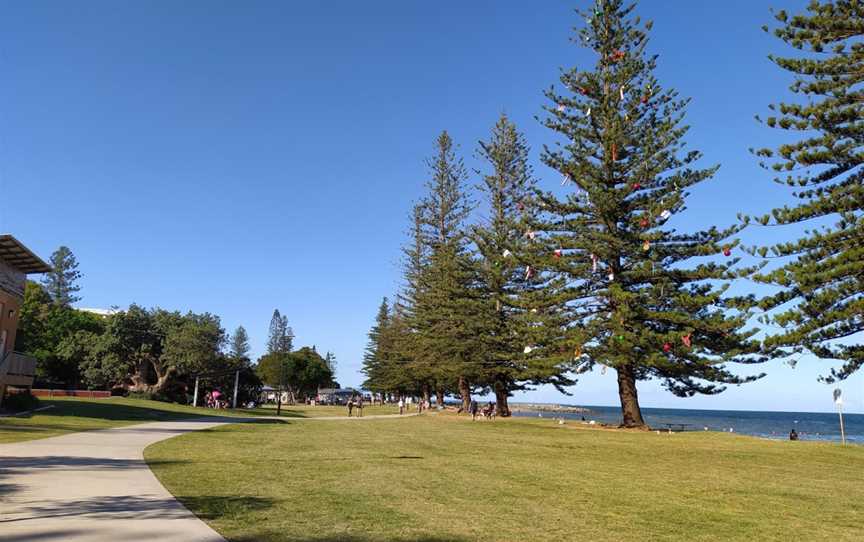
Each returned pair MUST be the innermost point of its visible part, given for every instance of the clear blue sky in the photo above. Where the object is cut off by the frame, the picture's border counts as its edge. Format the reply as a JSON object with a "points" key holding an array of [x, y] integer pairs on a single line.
{"points": [[235, 157]]}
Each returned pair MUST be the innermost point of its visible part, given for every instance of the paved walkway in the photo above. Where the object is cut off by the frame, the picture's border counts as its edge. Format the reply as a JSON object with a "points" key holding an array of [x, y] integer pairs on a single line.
{"points": [[96, 486]]}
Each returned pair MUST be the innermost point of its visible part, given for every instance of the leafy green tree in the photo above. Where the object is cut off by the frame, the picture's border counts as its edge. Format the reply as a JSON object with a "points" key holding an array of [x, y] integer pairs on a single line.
{"points": [[640, 297], [503, 245], [270, 368], [61, 282], [822, 272], [49, 331], [300, 373], [152, 351]]}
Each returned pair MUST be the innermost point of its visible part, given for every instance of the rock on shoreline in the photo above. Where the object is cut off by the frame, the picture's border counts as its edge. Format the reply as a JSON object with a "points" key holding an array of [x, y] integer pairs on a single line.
{"points": [[534, 407]]}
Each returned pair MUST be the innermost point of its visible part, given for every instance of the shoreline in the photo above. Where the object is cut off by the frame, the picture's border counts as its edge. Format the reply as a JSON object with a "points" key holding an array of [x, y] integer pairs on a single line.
{"points": [[547, 407]]}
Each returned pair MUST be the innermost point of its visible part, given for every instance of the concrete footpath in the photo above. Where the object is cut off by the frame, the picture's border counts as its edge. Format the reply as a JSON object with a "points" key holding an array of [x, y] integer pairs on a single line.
{"points": [[96, 486]]}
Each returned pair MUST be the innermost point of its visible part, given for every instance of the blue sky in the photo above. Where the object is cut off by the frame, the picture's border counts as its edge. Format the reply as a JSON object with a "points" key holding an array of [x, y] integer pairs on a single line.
{"points": [[236, 157]]}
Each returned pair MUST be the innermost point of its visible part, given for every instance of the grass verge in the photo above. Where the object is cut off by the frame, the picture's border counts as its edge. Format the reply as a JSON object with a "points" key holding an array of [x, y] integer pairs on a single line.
{"points": [[73, 414]]}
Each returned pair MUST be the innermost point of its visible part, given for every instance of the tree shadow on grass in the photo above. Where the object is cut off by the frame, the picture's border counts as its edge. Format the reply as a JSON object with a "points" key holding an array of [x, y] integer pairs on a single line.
{"points": [[215, 507]]}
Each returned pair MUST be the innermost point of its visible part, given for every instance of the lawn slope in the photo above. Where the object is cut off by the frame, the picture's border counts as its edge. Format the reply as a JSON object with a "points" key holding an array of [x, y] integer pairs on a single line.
{"points": [[436, 478]]}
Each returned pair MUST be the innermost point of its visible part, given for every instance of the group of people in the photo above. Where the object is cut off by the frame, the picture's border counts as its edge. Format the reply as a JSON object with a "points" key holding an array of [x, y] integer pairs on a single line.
{"points": [[355, 403], [214, 399], [488, 411]]}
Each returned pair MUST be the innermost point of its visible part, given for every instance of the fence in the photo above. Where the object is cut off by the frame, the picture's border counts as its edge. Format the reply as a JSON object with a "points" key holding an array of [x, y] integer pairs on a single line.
{"points": [[92, 394]]}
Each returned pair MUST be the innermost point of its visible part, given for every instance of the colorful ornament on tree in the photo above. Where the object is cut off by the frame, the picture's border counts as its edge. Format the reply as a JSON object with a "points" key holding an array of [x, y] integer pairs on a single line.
{"points": [[665, 215], [562, 108], [636, 186], [611, 276], [529, 272], [530, 234], [578, 352], [686, 340], [506, 253], [727, 250], [644, 222], [667, 347], [646, 244], [616, 56], [557, 253]]}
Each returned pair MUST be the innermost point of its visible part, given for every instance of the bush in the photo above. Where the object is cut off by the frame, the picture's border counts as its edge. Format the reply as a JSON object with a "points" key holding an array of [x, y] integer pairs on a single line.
{"points": [[150, 396], [20, 401]]}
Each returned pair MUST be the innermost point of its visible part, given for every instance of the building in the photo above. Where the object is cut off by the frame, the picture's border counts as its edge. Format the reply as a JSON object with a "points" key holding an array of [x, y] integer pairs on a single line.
{"points": [[16, 262]]}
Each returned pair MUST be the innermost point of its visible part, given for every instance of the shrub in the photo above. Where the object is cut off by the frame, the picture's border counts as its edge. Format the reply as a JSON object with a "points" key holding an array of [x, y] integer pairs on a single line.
{"points": [[20, 401]]}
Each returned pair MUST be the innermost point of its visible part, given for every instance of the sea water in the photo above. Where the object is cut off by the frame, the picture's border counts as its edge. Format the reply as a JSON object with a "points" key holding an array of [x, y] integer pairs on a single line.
{"points": [[810, 425]]}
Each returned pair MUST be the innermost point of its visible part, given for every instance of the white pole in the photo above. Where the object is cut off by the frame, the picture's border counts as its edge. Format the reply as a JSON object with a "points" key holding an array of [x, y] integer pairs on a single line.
{"points": [[842, 431], [236, 383], [195, 397]]}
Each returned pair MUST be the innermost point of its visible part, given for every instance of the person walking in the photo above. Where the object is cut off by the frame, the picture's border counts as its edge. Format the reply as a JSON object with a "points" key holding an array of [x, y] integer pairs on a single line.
{"points": [[401, 406], [360, 407], [350, 406], [472, 408]]}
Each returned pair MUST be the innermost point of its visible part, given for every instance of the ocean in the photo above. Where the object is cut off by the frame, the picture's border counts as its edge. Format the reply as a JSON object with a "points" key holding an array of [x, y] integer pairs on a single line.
{"points": [[777, 425]]}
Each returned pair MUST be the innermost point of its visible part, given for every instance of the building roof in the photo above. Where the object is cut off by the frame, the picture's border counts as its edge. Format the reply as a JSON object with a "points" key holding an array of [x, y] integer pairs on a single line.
{"points": [[20, 257]]}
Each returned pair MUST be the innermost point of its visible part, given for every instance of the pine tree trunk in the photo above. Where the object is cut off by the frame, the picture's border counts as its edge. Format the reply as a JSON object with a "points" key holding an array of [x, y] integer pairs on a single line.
{"points": [[630, 410], [439, 396], [501, 407], [465, 392]]}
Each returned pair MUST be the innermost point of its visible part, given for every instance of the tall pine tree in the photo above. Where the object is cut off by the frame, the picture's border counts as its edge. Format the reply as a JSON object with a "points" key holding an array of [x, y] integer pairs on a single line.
{"points": [[447, 303], [502, 242], [281, 337], [374, 362], [61, 282], [640, 297], [821, 303], [239, 349]]}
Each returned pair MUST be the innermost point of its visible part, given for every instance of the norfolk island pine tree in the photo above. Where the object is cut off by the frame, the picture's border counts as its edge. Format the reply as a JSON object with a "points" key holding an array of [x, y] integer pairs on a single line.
{"points": [[639, 297], [821, 301], [501, 242]]}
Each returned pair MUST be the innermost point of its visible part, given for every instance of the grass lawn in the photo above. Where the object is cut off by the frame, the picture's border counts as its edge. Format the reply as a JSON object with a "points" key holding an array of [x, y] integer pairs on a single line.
{"points": [[72, 414], [436, 478]]}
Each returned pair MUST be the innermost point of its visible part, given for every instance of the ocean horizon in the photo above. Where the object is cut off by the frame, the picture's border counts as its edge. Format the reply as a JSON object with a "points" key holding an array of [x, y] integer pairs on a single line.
{"points": [[822, 426]]}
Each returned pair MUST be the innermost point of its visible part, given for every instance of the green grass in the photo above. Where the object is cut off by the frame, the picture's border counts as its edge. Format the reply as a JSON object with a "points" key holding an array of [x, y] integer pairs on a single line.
{"points": [[72, 414], [437, 478]]}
